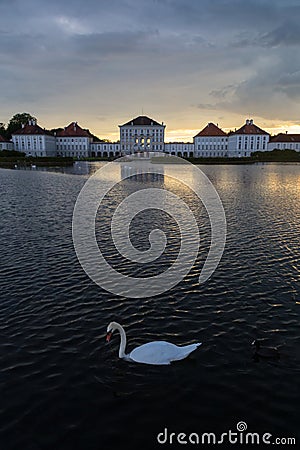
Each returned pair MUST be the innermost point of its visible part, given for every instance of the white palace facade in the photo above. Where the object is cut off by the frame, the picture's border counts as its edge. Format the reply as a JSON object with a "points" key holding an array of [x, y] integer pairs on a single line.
{"points": [[5, 144], [143, 135]]}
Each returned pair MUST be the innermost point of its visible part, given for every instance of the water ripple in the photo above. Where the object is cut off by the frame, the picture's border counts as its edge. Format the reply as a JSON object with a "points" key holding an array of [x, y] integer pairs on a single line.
{"points": [[63, 387]]}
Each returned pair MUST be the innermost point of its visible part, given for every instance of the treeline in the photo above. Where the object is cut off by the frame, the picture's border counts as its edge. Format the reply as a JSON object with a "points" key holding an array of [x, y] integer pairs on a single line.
{"points": [[11, 154], [14, 124], [17, 161], [276, 155]]}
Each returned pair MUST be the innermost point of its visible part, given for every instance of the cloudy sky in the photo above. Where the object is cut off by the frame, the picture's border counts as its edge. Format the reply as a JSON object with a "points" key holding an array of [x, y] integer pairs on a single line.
{"points": [[183, 62]]}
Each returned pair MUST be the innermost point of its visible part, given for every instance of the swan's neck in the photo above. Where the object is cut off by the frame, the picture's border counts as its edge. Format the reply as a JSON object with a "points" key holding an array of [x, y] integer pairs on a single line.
{"points": [[123, 341]]}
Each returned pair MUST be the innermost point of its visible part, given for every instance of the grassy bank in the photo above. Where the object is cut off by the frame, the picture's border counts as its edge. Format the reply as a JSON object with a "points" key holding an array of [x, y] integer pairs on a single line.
{"points": [[98, 158], [220, 160], [11, 159], [280, 156], [9, 162]]}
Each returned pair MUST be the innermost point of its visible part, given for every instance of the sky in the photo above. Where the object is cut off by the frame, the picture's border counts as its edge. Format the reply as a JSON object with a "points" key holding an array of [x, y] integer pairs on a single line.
{"points": [[181, 62]]}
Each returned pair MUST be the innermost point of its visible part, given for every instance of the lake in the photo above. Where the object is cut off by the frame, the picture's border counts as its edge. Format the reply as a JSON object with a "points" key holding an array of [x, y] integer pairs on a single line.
{"points": [[63, 387]]}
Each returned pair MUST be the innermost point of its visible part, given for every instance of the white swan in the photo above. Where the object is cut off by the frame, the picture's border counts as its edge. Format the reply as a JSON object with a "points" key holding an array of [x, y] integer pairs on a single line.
{"points": [[156, 352]]}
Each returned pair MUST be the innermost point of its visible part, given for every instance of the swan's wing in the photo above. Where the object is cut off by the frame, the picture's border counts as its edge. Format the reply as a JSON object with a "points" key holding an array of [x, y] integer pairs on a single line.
{"points": [[156, 352], [160, 352]]}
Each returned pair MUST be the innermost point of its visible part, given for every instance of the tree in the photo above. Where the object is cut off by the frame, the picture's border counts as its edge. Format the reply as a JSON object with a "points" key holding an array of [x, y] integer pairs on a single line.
{"points": [[2, 130], [16, 122], [56, 130]]}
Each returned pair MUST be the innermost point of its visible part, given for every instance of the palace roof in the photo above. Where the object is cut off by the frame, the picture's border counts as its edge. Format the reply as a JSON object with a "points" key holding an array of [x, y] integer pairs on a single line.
{"points": [[142, 121], [2, 139], [284, 137], [249, 128], [211, 130], [74, 130], [31, 128]]}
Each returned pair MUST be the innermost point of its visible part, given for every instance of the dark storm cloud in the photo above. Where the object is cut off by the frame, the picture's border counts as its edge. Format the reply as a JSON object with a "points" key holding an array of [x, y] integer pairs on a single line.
{"points": [[286, 35], [268, 94], [120, 43], [218, 54]]}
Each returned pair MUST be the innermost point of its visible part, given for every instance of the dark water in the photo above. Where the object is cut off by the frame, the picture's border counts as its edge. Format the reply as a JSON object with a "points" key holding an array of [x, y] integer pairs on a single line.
{"points": [[62, 387]]}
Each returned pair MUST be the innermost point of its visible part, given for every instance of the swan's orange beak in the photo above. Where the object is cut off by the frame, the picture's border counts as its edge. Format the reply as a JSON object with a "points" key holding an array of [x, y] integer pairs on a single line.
{"points": [[108, 336]]}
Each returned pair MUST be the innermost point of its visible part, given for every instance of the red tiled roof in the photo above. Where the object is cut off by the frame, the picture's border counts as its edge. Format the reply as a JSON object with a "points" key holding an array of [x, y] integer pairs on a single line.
{"points": [[211, 130], [2, 139], [284, 137], [74, 130], [249, 128], [31, 129], [142, 121]]}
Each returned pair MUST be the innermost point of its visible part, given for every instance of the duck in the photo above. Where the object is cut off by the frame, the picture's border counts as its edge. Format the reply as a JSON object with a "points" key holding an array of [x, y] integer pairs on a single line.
{"points": [[154, 353], [265, 352]]}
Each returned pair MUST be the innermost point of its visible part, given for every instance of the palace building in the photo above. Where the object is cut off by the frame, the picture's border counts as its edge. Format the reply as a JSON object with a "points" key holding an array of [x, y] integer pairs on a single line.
{"points": [[34, 140], [74, 141], [248, 139], [5, 144], [211, 142], [143, 135], [285, 141]]}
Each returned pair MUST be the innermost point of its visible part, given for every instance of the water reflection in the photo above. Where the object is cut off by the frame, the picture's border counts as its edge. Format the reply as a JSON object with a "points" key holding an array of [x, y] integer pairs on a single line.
{"points": [[141, 173]]}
